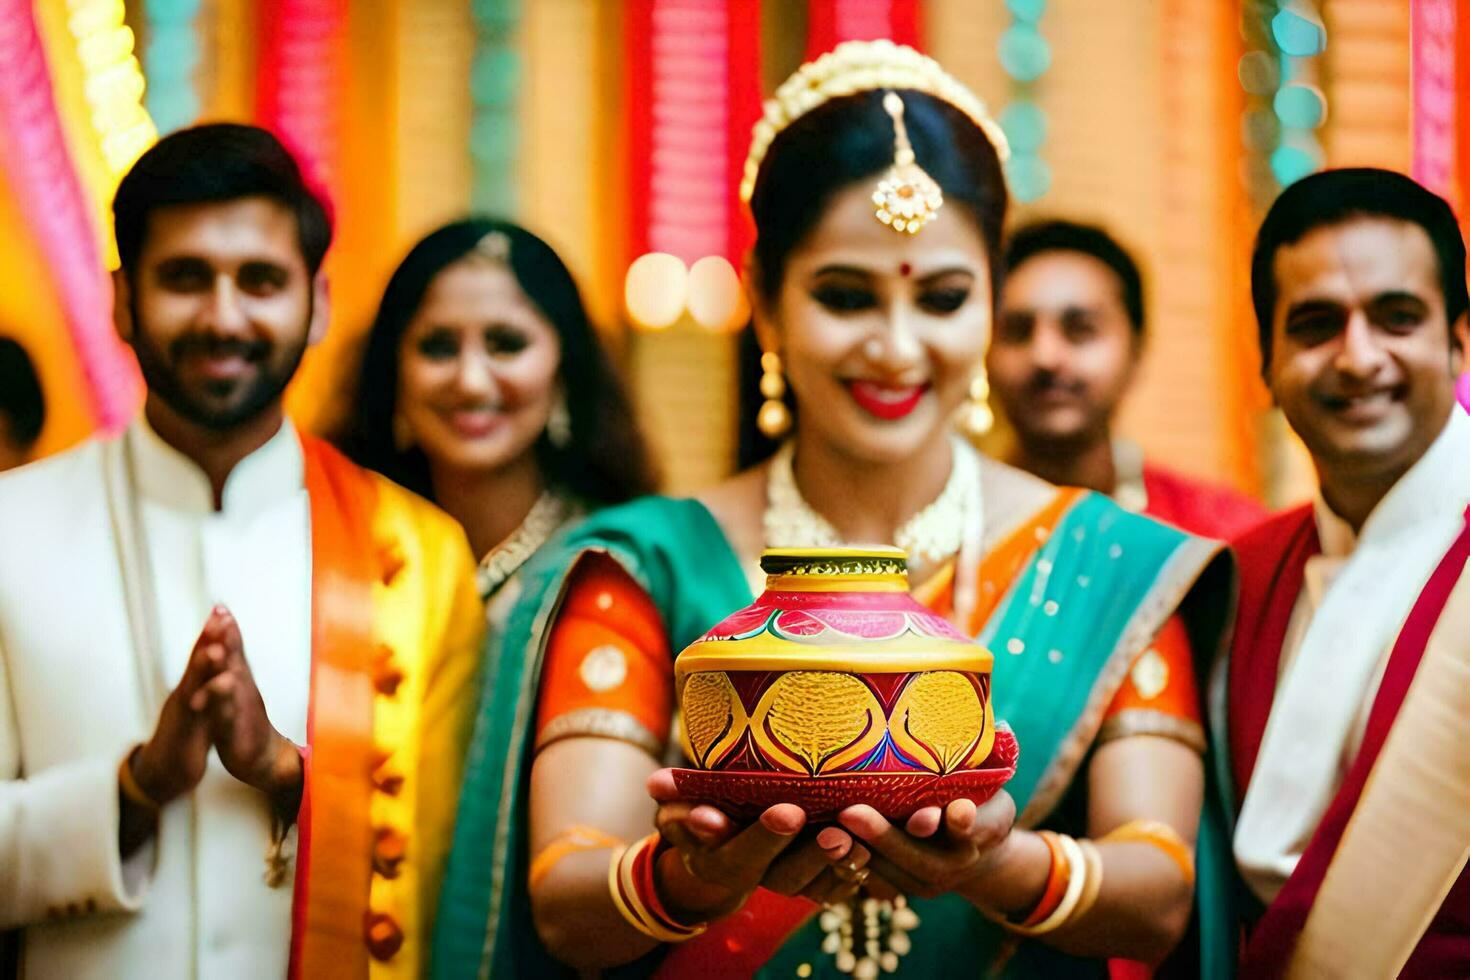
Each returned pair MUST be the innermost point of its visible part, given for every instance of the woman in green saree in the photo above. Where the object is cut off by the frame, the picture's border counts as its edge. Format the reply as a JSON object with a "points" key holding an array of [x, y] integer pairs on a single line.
{"points": [[875, 304]]}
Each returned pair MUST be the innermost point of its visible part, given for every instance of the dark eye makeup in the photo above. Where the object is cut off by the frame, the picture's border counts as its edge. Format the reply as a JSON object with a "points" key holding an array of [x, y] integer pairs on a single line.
{"points": [[943, 300], [504, 339], [499, 339], [844, 299]]}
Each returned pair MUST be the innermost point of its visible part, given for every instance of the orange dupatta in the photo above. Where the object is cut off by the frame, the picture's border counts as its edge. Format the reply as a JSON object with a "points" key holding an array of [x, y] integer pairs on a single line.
{"points": [[333, 882]]}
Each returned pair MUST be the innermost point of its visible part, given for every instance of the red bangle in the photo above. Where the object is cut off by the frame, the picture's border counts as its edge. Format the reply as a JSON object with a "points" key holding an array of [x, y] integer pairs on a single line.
{"points": [[644, 878], [1057, 879]]}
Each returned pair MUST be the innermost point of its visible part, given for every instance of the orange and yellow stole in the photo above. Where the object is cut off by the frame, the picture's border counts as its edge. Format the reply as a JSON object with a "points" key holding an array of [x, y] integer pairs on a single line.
{"points": [[334, 849], [395, 636]]}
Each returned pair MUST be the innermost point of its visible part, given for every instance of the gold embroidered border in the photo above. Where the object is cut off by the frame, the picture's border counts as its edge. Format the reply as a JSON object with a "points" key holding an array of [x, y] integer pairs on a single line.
{"points": [[1407, 836], [1146, 721], [600, 723]]}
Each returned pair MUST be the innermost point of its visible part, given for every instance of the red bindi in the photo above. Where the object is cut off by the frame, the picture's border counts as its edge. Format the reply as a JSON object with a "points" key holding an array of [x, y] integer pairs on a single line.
{"points": [[904, 269]]}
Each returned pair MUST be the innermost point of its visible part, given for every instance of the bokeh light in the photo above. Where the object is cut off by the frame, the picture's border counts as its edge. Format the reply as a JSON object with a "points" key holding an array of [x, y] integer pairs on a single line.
{"points": [[656, 290], [1029, 176], [1300, 106], [1024, 53], [1298, 32], [1025, 126], [1258, 73], [716, 299], [1029, 11]]}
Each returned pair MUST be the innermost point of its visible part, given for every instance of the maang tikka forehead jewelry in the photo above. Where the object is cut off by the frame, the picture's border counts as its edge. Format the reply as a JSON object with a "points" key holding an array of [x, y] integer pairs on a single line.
{"points": [[495, 246], [907, 198]]}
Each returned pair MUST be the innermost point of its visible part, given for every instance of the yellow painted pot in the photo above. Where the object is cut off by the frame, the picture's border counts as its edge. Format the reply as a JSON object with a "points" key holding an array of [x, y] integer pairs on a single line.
{"points": [[836, 687]]}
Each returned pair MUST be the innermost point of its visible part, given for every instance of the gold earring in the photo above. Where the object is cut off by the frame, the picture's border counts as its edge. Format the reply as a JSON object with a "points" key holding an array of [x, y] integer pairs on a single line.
{"points": [[559, 424], [402, 433], [976, 418], [774, 418]]}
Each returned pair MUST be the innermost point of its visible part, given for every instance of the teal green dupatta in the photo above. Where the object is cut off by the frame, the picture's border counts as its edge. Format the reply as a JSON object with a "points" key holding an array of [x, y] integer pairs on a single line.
{"points": [[1064, 636], [678, 554]]}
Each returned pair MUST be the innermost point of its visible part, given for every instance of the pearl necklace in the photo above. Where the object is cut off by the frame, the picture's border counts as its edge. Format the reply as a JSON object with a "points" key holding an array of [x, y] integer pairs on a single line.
{"points": [[547, 514], [930, 536]]}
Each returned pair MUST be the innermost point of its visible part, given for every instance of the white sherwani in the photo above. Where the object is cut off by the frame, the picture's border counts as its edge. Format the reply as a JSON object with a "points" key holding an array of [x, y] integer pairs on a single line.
{"points": [[76, 693]]}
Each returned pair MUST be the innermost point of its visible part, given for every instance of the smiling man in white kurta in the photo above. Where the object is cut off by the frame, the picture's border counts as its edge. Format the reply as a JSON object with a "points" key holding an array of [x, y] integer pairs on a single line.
{"points": [[1352, 609], [152, 773]]}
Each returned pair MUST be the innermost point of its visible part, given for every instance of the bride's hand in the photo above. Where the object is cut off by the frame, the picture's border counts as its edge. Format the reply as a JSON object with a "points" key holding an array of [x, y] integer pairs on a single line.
{"points": [[715, 864], [936, 851]]}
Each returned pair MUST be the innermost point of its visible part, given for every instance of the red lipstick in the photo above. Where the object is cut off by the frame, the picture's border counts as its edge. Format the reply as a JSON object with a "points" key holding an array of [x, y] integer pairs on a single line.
{"points": [[886, 402]]}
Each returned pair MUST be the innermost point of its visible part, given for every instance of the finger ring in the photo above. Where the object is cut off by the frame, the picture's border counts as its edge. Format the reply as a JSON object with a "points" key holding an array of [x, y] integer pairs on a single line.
{"points": [[851, 871]]}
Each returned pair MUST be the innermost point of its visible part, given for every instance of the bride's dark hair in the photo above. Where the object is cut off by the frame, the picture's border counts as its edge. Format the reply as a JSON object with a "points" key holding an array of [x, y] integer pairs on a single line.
{"points": [[842, 142]]}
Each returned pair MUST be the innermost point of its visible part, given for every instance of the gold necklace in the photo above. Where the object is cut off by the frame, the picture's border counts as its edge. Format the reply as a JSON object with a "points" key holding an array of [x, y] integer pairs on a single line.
{"points": [[933, 534], [1129, 490], [547, 514]]}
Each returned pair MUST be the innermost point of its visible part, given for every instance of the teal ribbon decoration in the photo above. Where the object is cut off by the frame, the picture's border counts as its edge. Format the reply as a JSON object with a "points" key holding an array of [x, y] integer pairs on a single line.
{"points": [[1026, 56], [495, 81], [171, 56]]}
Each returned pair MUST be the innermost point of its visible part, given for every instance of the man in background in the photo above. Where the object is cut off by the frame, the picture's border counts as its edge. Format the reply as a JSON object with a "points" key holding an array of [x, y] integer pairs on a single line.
{"points": [[22, 405], [235, 669], [1066, 350]]}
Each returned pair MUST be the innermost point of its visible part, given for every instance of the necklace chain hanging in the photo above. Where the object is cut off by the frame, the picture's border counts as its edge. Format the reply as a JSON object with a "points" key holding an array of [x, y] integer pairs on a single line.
{"points": [[867, 935]]}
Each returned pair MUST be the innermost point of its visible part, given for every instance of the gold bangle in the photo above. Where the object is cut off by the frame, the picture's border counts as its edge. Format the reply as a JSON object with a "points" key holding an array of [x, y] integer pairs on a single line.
{"points": [[1056, 883], [1094, 863], [1161, 836], [1076, 884], [629, 903], [573, 840], [128, 783], [675, 932]]}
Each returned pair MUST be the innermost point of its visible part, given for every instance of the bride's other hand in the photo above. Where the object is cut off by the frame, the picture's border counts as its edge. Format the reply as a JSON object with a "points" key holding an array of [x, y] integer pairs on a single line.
{"points": [[715, 864]]}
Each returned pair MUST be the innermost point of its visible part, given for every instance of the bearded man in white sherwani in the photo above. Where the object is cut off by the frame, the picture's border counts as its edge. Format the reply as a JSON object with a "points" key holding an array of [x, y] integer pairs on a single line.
{"points": [[152, 776]]}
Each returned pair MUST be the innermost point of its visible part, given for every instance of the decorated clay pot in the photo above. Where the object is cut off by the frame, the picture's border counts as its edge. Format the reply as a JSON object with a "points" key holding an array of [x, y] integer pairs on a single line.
{"points": [[835, 687]]}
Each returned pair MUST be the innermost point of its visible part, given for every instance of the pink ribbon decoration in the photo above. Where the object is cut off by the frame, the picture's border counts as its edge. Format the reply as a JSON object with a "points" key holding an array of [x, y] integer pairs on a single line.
{"points": [[693, 82], [55, 206], [1432, 27], [300, 83]]}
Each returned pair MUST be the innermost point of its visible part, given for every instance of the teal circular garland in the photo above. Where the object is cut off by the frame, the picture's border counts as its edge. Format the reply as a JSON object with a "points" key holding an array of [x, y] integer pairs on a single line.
{"points": [[1025, 55], [1285, 108], [495, 80], [170, 58]]}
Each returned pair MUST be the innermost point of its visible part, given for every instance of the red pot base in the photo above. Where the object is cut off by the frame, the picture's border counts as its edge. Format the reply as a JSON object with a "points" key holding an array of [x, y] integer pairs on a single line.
{"points": [[896, 795]]}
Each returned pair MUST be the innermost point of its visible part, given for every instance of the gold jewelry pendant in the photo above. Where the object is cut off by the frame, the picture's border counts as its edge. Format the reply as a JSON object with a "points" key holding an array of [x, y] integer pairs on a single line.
{"points": [[976, 418], [864, 947], [775, 418], [907, 198]]}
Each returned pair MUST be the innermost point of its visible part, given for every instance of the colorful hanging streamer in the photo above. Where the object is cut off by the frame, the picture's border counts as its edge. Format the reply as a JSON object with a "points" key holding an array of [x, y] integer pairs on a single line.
{"points": [[300, 81], [112, 81], [59, 212], [693, 94], [830, 22], [495, 80], [1298, 37], [170, 62], [1432, 23], [1025, 55]]}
